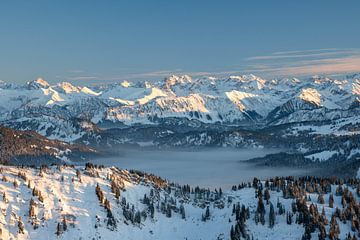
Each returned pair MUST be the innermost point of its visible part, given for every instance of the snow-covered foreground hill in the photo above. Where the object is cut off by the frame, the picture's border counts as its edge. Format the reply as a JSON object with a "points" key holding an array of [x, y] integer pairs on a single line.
{"points": [[108, 203]]}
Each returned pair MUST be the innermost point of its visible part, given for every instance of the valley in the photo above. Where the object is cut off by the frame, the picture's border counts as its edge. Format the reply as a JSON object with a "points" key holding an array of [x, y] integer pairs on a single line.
{"points": [[207, 167]]}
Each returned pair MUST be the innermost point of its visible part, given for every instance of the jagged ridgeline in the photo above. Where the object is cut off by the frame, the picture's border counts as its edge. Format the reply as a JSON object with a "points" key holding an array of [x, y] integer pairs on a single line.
{"points": [[69, 113], [68, 202]]}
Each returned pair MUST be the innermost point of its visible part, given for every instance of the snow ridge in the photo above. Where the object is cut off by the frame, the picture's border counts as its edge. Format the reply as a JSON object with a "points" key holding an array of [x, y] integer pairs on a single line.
{"points": [[245, 99]]}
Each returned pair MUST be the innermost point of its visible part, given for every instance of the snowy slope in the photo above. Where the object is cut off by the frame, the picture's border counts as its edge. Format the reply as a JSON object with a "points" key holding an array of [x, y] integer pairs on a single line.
{"points": [[61, 202]]}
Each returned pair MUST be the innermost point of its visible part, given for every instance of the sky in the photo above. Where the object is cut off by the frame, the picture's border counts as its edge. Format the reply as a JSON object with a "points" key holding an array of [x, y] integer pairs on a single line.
{"points": [[108, 41]]}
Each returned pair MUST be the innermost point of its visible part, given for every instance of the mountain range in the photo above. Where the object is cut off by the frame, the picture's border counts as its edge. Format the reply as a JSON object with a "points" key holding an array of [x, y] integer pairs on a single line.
{"points": [[315, 121], [66, 112]]}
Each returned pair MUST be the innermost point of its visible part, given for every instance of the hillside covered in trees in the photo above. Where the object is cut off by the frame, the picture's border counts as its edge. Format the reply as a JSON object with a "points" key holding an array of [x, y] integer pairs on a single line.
{"points": [[94, 202], [30, 148]]}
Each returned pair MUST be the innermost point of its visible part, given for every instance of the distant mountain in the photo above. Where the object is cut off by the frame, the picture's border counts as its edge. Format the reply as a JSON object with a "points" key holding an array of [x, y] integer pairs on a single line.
{"points": [[67, 112]]}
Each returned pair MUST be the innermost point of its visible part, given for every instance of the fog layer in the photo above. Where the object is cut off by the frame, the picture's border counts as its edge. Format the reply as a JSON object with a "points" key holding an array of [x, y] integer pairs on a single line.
{"points": [[206, 167]]}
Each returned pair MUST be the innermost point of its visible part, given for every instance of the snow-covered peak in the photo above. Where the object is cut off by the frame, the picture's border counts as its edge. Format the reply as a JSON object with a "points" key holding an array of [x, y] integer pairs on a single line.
{"points": [[228, 100], [88, 91], [310, 95], [356, 87], [125, 84], [321, 79], [55, 97], [68, 87], [179, 85], [38, 83], [249, 81], [177, 80], [237, 97], [287, 81], [145, 84], [148, 84], [42, 82]]}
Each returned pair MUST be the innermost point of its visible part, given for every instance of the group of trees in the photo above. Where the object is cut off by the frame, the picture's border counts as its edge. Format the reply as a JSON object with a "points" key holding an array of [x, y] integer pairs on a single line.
{"points": [[197, 193], [37, 193], [206, 216], [242, 214], [305, 211], [32, 214], [111, 222], [132, 215]]}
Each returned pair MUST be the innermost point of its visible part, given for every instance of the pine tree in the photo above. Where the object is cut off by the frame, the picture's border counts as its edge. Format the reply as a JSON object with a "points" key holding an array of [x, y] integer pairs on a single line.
{"points": [[146, 200], [321, 199], [117, 194], [107, 204], [32, 208], [322, 232], [16, 184], [271, 216], [137, 218], [256, 217], [4, 197], [307, 233], [288, 218], [123, 201], [267, 196], [21, 226], [261, 210], [64, 225], [331, 201], [58, 229], [207, 213], [232, 233], [152, 210], [168, 211], [182, 211], [41, 198]]}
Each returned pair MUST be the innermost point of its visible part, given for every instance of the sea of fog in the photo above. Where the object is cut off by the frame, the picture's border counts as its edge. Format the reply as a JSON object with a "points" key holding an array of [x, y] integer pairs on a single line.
{"points": [[205, 168]]}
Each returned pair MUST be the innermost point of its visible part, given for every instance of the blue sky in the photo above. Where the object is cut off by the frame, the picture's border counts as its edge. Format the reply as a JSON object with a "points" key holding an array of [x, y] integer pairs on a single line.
{"points": [[105, 41]]}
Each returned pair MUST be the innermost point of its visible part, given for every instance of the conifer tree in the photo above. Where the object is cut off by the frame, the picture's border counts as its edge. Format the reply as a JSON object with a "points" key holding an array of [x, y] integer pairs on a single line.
{"points": [[58, 229], [64, 224], [152, 210], [271, 216], [331, 201], [21, 226], [182, 211]]}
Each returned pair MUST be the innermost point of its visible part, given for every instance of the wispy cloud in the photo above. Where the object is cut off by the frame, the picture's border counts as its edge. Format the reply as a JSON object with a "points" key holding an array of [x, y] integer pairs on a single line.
{"points": [[309, 62], [300, 55], [83, 78], [309, 51], [278, 64]]}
